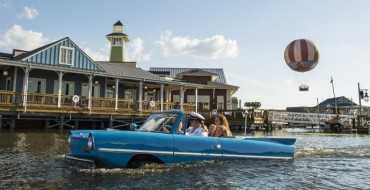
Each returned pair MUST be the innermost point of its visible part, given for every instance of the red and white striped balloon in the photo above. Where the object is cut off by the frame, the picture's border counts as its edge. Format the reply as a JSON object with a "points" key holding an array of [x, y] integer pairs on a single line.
{"points": [[302, 55]]}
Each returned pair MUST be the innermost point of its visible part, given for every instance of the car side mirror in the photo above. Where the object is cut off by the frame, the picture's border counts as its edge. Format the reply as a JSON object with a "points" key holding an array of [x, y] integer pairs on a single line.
{"points": [[133, 127]]}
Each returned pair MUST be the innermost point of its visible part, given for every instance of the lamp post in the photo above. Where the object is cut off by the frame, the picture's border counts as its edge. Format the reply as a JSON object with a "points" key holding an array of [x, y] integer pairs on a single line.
{"points": [[362, 94], [335, 100]]}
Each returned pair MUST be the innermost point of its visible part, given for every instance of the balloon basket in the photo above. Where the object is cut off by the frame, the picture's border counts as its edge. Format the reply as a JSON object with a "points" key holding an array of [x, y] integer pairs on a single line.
{"points": [[303, 88]]}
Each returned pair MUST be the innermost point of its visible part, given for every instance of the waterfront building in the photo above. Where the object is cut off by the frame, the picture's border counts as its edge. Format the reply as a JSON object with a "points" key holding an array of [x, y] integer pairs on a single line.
{"points": [[344, 105], [215, 96], [59, 85]]}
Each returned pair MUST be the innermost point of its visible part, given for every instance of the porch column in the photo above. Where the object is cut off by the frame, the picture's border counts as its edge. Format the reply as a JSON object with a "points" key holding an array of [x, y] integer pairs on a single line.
{"points": [[15, 83], [212, 101], [228, 99], [168, 97], [161, 96], [196, 99], [90, 93], [116, 90], [140, 97], [182, 97], [60, 75], [25, 87]]}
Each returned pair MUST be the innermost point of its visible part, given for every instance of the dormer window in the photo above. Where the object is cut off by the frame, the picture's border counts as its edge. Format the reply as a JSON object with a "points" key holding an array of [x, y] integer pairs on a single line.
{"points": [[66, 55], [117, 41]]}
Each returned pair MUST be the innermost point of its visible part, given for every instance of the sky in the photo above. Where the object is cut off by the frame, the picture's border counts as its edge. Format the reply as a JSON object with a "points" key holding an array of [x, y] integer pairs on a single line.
{"points": [[247, 38]]}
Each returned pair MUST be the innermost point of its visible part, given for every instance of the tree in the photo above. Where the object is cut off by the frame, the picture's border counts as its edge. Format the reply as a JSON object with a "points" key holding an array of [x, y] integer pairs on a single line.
{"points": [[253, 105]]}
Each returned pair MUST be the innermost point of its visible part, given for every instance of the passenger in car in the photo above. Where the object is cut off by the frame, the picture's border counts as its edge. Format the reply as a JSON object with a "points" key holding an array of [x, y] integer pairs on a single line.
{"points": [[211, 130], [179, 129], [222, 127], [197, 127]]}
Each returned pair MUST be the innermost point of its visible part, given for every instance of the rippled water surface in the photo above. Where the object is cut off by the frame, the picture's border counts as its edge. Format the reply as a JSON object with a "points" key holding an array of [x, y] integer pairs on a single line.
{"points": [[35, 160]]}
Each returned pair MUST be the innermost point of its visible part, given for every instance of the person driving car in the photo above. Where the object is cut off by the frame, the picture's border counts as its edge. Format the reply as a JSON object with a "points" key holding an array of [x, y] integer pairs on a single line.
{"points": [[197, 127]]}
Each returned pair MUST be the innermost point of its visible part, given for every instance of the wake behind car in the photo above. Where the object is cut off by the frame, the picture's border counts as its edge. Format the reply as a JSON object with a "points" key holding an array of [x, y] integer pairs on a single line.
{"points": [[162, 139]]}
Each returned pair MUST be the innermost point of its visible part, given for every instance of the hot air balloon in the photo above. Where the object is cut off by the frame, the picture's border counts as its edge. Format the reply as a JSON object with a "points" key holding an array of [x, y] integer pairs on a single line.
{"points": [[302, 56]]}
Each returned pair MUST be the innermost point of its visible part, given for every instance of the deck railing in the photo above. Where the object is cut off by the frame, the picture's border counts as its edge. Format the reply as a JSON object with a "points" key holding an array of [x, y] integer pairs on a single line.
{"points": [[40, 102]]}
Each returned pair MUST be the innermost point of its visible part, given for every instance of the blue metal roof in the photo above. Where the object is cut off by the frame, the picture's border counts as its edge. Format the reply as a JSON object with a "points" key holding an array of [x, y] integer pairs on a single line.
{"points": [[341, 101], [49, 55]]}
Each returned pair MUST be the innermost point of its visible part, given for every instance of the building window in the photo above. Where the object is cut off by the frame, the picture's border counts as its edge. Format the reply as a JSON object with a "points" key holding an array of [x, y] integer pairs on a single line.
{"points": [[203, 101], [220, 102], [66, 55], [8, 86], [149, 96], [203, 105], [36, 85], [109, 92], [68, 87], [117, 41], [95, 92], [130, 94]]}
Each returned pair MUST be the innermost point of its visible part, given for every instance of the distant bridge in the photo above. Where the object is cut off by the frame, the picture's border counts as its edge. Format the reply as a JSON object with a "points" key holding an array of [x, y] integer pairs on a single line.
{"points": [[308, 118]]}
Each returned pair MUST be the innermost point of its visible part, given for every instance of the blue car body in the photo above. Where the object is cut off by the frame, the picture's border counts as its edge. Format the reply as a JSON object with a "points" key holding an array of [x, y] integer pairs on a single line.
{"points": [[162, 139]]}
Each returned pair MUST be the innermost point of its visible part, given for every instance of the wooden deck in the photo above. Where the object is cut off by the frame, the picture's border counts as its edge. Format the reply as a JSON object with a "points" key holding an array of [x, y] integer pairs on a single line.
{"points": [[102, 112], [48, 103]]}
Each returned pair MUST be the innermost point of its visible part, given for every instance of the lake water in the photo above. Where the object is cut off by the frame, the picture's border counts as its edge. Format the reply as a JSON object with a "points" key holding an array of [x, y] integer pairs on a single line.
{"points": [[35, 160]]}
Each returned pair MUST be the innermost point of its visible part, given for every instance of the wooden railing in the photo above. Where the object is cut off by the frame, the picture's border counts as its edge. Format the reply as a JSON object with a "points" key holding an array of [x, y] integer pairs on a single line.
{"points": [[39, 102], [6, 97]]}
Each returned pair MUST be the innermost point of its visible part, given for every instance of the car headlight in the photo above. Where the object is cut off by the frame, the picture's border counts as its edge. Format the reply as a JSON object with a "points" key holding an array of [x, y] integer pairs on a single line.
{"points": [[90, 142]]}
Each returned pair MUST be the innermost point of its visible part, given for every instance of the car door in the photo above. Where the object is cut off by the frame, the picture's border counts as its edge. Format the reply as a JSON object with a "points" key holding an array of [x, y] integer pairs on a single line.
{"points": [[196, 148]]}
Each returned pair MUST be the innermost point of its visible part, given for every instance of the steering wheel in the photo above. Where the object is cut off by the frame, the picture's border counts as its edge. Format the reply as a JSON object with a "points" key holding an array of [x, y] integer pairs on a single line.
{"points": [[167, 128]]}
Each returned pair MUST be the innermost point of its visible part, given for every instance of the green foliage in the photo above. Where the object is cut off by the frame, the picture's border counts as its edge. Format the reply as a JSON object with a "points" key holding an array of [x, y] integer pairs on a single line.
{"points": [[254, 105]]}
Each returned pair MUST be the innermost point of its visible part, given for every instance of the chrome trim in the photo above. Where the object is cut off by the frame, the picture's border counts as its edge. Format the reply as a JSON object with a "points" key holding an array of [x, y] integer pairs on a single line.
{"points": [[197, 154], [252, 156], [189, 154], [79, 159], [132, 151]]}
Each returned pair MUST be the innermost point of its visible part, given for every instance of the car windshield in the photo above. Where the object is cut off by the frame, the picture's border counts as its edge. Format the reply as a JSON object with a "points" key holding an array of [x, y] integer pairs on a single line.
{"points": [[159, 122]]}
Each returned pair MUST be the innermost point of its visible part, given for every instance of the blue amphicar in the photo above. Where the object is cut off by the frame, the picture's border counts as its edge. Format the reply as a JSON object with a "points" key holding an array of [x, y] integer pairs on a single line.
{"points": [[162, 139]]}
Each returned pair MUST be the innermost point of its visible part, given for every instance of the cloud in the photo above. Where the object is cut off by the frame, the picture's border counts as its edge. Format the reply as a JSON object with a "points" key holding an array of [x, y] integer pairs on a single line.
{"points": [[98, 55], [17, 38], [135, 51], [3, 5], [215, 47], [28, 13]]}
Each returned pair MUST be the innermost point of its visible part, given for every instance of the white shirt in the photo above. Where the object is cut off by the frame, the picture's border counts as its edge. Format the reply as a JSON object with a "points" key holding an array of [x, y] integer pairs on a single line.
{"points": [[197, 132]]}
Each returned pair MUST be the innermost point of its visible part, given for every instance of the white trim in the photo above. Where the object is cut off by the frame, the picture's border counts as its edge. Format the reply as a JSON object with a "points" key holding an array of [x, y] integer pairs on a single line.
{"points": [[60, 55]]}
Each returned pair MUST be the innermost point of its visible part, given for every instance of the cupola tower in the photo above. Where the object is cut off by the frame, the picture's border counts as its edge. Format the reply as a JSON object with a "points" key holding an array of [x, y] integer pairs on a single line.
{"points": [[117, 41]]}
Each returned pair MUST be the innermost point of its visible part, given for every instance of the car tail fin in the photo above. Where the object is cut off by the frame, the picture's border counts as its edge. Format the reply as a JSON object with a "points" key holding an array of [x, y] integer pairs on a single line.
{"points": [[285, 141]]}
